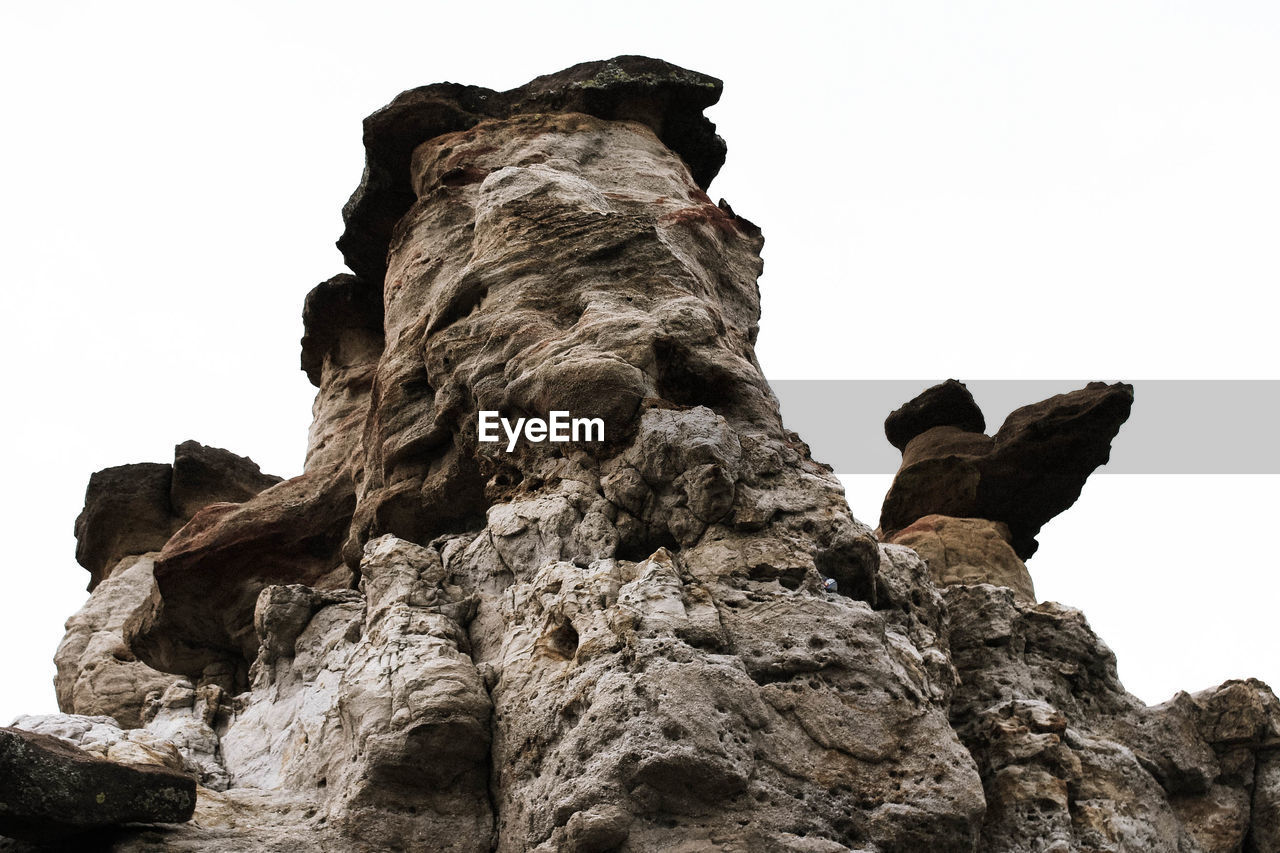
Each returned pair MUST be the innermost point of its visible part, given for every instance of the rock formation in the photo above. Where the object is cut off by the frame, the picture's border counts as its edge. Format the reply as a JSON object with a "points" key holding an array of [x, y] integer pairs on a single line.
{"points": [[130, 512], [1032, 469], [426, 642]]}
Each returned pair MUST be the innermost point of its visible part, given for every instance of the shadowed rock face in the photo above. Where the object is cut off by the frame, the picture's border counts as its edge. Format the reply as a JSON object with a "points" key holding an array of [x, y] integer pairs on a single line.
{"points": [[949, 404], [427, 642], [133, 509], [1031, 470], [52, 792]]}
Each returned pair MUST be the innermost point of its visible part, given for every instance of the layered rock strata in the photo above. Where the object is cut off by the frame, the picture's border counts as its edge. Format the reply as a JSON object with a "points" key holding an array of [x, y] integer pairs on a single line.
{"points": [[426, 642]]}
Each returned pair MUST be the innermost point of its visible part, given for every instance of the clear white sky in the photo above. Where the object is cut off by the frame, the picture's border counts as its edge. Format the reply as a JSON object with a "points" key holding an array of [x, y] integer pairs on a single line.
{"points": [[980, 190]]}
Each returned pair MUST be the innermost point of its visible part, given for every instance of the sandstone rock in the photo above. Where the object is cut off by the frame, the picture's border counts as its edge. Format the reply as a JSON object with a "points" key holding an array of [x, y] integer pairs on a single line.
{"points": [[51, 791], [949, 404], [130, 513], [97, 674], [134, 509], [1031, 470], [206, 475], [209, 574], [1265, 817], [178, 737], [102, 737], [332, 311], [342, 318], [967, 551], [1069, 759], [399, 755], [126, 511], [666, 98]]}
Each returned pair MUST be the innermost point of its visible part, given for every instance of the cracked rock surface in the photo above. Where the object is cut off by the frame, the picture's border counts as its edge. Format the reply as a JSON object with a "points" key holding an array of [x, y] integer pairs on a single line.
{"points": [[426, 642]]}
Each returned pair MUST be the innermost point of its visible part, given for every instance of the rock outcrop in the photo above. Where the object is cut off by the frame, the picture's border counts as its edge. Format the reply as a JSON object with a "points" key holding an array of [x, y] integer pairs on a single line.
{"points": [[670, 635], [971, 503], [133, 509], [1070, 761], [130, 513]]}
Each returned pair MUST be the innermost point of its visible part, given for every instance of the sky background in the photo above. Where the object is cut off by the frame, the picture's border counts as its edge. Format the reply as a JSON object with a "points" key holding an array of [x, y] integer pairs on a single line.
{"points": [[1019, 190]]}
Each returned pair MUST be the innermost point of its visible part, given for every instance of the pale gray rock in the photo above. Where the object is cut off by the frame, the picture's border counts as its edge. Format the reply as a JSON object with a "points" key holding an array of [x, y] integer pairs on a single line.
{"points": [[179, 741], [97, 673], [368, 704], [1070, 761], [104, 738]]}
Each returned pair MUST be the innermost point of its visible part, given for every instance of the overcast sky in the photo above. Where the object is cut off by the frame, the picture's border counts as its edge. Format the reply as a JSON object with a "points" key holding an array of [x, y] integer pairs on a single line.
{"points": [[980, 190]]}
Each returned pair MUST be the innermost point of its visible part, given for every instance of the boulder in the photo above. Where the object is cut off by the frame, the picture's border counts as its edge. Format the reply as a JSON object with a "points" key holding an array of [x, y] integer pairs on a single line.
{"points": [[51, 791]]}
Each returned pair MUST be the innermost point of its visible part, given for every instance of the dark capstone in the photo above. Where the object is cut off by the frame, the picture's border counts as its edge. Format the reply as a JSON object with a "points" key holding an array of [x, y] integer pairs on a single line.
{"points": [[1029, 472], [133, 509], [126, 511], [947, 404], [1043, 455], [205, 475], [51, 791], [341, 303], [667, 98]]}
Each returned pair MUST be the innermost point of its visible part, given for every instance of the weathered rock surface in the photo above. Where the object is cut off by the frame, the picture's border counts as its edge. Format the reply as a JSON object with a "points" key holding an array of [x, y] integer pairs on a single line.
{"points": [[98, 675], [130, 514], [1032, 469], [1071, 762], [667, 99], [51, 791], [426, 642], [967, 551], [947, 404], [133, 509], [199, 618]]}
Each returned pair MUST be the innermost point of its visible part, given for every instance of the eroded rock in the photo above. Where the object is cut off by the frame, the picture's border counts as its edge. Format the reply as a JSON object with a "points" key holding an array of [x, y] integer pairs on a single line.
{"points": [[967, 550], [428, 642], [948, 404], [98, 674], [1032, 469], [208, 575]]}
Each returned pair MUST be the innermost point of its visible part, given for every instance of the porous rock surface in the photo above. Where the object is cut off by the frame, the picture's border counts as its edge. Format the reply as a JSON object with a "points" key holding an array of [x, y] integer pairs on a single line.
{"points": [[425, 642]]}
